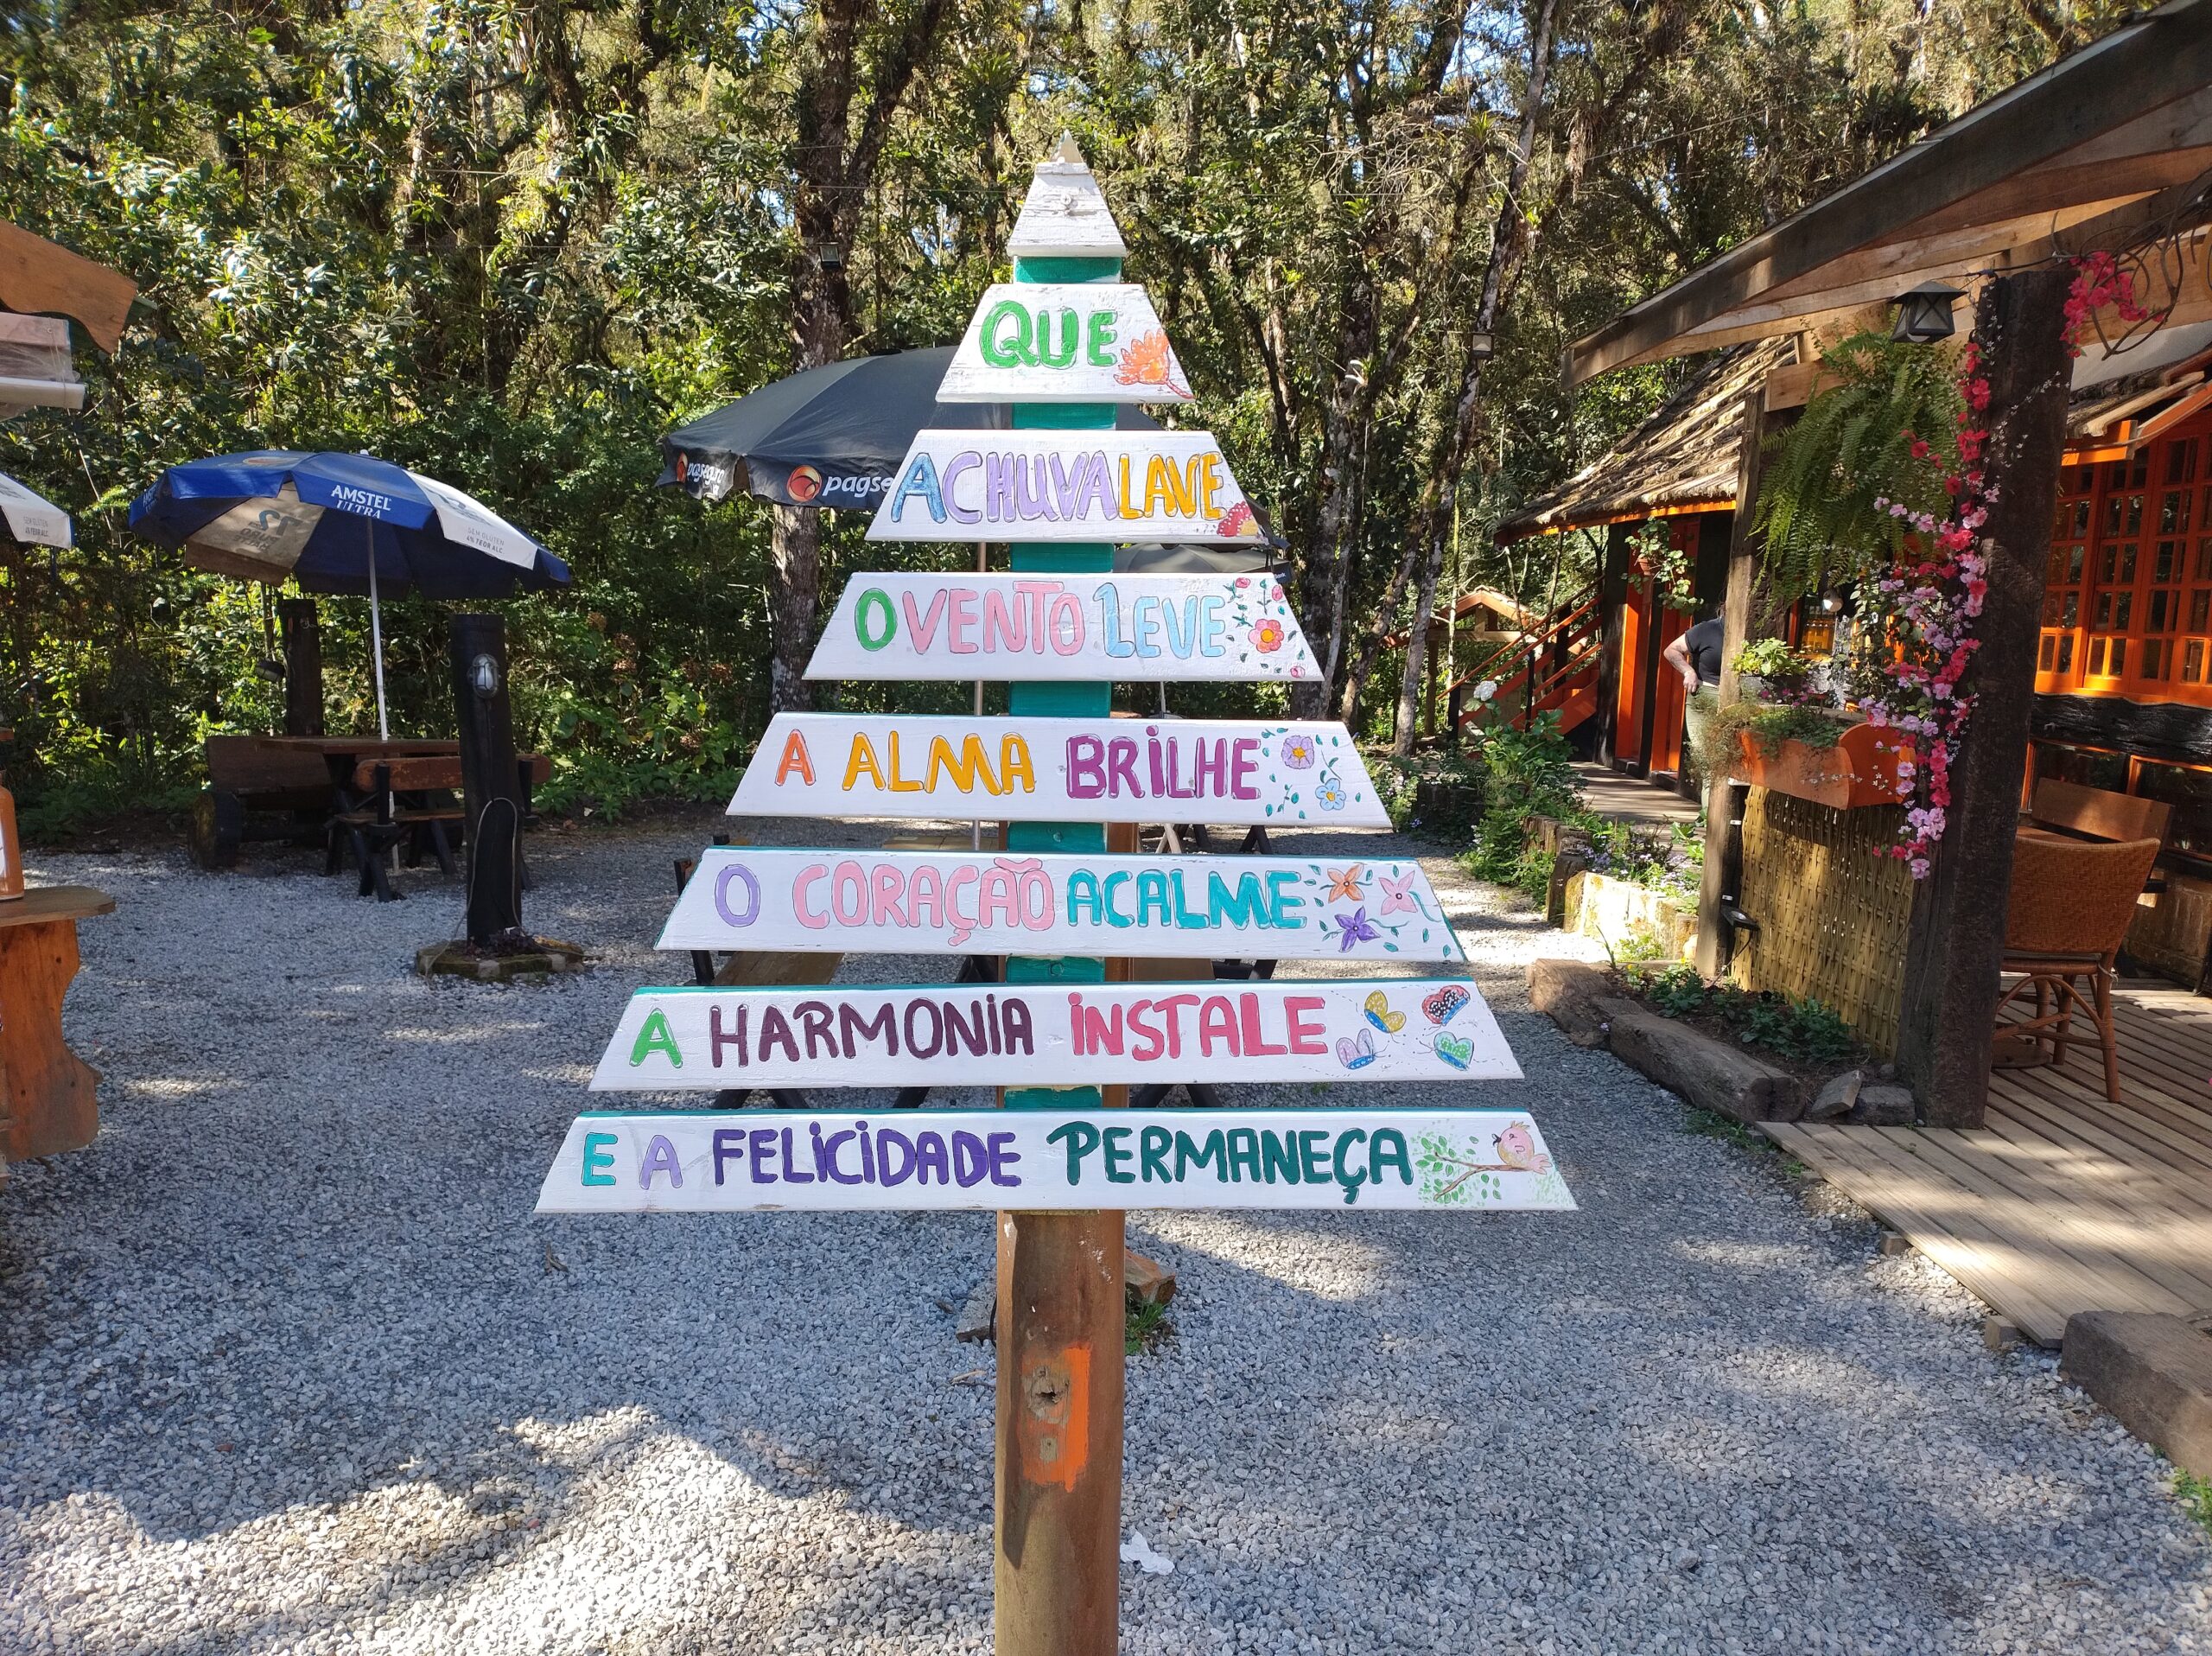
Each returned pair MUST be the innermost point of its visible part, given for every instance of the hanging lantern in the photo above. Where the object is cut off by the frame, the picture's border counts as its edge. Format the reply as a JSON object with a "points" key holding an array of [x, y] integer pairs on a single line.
{"points": [[1924, 314]]}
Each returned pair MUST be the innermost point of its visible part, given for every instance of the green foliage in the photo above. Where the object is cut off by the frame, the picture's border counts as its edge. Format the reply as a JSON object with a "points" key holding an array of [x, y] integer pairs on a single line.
{"points": [[1525, 773], [2195, 1495], [1824, 498], [1769, 724], [1711, 1123], [1398, 783], [512, 246], [1145, 1329], [1770, 659], [1803, 1031]]}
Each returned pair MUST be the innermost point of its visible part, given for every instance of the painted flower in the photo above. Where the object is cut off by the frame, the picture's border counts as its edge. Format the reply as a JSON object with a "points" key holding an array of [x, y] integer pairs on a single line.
{"points": [[1299, 751], [1237, 521], [1331, 795], [1268, 636]]}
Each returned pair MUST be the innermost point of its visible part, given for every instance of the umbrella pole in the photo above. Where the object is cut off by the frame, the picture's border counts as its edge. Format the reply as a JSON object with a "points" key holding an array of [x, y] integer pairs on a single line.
{"points": [[376, 638]]}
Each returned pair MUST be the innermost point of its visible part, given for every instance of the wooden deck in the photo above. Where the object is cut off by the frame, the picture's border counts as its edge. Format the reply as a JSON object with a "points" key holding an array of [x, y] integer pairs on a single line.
{"points": [[1614, 794], [2062, 1203]]}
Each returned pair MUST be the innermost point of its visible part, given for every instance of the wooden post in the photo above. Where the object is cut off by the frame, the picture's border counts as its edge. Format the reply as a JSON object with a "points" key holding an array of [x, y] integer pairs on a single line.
{"points": [[1612, 594], [302, 634], [491, 784], [1744, 616], [1648, 672], [1958, 924], [1057, 1528]]}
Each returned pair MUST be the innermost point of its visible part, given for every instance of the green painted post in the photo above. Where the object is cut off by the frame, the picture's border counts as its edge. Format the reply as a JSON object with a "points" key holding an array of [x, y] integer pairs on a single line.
{"points": [[1057, 1534]]}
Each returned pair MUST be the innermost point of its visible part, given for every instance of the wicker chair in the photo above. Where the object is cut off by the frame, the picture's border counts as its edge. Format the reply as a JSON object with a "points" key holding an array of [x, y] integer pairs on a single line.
{"points": [[2071, 905]]}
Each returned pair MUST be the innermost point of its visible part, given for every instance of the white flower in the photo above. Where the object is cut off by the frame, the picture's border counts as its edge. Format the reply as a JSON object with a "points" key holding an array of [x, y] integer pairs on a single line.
{"points": [[1485, 690]]}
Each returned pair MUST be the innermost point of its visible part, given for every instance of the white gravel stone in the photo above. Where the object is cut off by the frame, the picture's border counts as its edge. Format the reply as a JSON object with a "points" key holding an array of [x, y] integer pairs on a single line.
{"points": [[287, 1363]]}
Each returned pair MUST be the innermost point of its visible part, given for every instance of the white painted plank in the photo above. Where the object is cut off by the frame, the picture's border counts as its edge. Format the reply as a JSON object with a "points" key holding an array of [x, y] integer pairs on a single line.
{"points": [[1065, 215], [1055, 1035], [1034, 769], [1064, 486], [1064, 342], [1047, 1161], [1149, 907], [1129, 628]]}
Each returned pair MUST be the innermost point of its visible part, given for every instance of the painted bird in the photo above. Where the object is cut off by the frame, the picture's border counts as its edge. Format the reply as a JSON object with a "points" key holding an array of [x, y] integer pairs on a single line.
{"points": [[1516, 1149]]}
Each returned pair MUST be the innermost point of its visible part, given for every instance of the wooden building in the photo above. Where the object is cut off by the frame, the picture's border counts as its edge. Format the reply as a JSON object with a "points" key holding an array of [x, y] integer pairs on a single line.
{"points": [[2123, 669], [2049, 1190]]}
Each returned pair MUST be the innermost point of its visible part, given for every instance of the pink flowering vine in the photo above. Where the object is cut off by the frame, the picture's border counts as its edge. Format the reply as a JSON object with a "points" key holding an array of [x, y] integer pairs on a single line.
{"points": [[1930, 608], [2099, 283]]}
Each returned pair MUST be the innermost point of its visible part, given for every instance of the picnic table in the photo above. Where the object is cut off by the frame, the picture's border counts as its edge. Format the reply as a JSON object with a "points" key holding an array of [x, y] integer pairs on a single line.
{"points": [[48, 1096], [385, 792]]}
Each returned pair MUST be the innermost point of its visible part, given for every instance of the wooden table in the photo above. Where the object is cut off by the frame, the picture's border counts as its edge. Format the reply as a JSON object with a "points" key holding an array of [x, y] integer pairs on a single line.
{"points": [[48, 1096]]}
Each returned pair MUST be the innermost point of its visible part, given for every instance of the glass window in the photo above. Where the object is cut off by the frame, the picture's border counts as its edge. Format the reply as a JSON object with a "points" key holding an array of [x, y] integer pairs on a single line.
{"points": [[2154, 657], [2066, 652], [2192, 661], [2049, 651]]}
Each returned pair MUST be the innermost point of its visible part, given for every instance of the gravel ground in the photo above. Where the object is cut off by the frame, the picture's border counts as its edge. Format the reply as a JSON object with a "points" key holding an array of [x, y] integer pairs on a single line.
{"points": [[286, 1364]]}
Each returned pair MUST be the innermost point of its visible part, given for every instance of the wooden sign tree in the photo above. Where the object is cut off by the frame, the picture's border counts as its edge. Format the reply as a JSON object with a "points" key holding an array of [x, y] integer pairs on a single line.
{"points": [[1062, 1033]]}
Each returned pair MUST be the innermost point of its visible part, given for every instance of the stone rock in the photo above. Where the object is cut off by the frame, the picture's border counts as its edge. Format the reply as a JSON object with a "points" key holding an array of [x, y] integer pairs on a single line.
{"points": [[1567, 992], [1883, 1104], [2153, 1372], [1836, 1095], [1145, 1280]]}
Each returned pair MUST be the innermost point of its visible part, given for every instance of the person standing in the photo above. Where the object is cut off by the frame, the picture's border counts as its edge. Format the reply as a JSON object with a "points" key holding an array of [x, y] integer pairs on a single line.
{"points": [[1696, 656]]}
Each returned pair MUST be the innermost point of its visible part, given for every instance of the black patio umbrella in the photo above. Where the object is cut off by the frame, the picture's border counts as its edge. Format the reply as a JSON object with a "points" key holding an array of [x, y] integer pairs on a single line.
{"points": [[829, 436]]}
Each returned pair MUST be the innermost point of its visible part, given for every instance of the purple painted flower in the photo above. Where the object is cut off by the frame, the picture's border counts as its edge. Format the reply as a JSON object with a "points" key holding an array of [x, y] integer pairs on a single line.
{"points": [[1353, 929]]}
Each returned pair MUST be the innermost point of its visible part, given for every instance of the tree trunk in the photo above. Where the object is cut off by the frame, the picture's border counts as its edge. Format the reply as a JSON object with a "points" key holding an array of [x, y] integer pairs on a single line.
{"points": [[1511, 239], [1322, 581], [795, 548], [1958, 924], [1432, 570], [832, 166]]}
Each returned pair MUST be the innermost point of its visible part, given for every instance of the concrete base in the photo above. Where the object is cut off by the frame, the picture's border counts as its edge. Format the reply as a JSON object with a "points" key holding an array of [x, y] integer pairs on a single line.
{"points": [[463, 960], [2153, 1372]]}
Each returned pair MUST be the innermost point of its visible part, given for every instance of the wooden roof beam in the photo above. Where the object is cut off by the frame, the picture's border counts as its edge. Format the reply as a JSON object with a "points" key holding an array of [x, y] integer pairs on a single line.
{"points": [[2139, 68]]}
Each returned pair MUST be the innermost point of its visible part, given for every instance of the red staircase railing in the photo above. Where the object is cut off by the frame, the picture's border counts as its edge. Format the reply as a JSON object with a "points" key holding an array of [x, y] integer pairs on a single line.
{"points": [[1551, 670]]}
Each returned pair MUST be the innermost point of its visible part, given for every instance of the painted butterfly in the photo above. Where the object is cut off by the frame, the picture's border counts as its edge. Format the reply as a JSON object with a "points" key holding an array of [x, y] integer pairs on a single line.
{"points": [[1455, 1050], [1380, 1014], [1357, 1055], [1444, 1005]]}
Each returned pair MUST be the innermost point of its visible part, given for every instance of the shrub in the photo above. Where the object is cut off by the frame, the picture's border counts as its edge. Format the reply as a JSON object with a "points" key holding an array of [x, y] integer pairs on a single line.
{"points": [[1804, 1031]]}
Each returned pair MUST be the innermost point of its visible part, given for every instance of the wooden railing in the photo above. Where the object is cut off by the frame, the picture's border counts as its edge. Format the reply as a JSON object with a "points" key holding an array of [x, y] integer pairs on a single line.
{"points": [[1551, 670]]}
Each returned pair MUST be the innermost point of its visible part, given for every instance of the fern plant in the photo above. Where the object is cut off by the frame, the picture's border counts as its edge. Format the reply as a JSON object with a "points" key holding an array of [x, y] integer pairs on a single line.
{"points": [[1854, 446]]}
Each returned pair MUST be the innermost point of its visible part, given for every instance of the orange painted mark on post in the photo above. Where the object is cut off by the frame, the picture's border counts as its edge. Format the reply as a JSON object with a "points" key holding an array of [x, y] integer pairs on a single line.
{"points": [[1054, 1427], [795, 759]]}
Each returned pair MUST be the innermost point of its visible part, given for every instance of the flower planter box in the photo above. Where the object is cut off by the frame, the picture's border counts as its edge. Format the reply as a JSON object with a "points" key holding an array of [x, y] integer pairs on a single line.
{"points": [[1627, 918], [1861, 768]]}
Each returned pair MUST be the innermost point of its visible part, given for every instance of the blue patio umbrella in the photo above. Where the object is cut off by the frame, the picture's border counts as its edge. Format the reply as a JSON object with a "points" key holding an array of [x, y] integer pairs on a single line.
{"points": [[341, 523]]}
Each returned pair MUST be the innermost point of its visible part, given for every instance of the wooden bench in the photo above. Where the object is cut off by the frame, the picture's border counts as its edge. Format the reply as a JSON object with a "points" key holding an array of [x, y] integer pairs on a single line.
{"points": [[291, 790], [404, 799]]}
